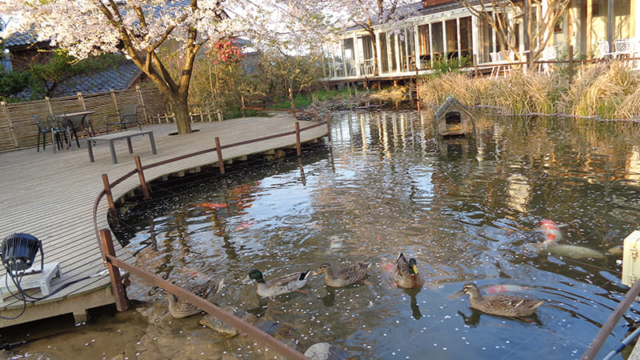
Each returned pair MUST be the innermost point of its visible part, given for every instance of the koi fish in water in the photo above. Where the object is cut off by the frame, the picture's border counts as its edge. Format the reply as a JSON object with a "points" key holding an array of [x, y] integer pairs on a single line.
{"points": [[501, 289], [569, 251], [212, 206], [551, 232]]}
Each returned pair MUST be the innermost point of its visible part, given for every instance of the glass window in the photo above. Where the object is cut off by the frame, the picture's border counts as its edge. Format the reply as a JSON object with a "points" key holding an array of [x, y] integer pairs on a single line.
{"points": [[348, 49], [485, 40], [349, 55], [437, 40], [411, 49], [622, 19], [367, 47], [466, 37], [599, 20], [392, 52], [452, 38], [423, 40], [384, 53], [402, 47], [535, 26]]}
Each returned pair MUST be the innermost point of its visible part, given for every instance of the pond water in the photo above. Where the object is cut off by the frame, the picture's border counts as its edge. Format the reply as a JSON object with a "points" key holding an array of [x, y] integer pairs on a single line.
{"points": [[467, 214]]}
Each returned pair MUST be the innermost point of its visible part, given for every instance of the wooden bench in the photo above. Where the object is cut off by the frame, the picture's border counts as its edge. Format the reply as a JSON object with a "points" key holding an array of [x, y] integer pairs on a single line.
{"points": [[111, 138]]}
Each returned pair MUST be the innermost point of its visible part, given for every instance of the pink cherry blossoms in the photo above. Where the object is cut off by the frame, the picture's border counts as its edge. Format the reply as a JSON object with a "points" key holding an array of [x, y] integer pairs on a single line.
{"points": [[225, 52]]}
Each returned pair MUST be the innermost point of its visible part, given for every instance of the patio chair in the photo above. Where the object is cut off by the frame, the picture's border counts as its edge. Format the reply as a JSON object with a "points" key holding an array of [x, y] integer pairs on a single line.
{"points": [[603, 50], [368, 67], [623, 49], [499, 62], [55, 128], [127, 116]]}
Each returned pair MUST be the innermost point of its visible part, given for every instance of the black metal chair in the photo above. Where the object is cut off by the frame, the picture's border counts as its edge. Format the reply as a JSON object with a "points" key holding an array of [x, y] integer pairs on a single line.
{"points": [[78, 123], [127, 116], [53, 126]]}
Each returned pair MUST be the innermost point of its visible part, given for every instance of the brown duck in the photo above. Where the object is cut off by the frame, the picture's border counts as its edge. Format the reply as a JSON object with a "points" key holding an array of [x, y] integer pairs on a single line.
{"points": [[503, 305], [344, 277], [181, 308]]}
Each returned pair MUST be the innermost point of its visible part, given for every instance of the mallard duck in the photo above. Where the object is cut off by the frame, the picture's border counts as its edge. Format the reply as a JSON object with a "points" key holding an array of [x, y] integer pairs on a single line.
{"points": [[407, 274], [344, 277], [181, 308], [282, 285], [503, 305]]}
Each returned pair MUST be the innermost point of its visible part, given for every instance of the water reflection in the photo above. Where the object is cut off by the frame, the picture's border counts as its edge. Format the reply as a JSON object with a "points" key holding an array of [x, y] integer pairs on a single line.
{"points": [[465, 209]]}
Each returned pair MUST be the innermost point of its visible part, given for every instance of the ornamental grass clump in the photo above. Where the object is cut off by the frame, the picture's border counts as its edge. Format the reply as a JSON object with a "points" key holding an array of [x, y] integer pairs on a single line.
{"points": [[522, 93], [602, 91], [434, 90], [610, 92]]}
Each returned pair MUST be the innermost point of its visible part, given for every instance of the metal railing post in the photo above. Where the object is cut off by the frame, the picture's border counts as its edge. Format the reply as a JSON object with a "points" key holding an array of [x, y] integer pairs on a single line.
{"points": [[298, 144], [143, 182], [114, 272], [219, 152], [112, 205]]}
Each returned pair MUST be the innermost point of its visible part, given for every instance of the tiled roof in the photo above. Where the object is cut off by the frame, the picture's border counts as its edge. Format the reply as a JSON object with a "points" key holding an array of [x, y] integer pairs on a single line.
{"points": [[117, 78], [454, 5], [21, 40], [415, 9]]}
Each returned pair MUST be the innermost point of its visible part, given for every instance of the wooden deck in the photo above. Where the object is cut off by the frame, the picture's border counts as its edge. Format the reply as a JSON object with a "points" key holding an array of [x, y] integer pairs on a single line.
{"points": [[51, 196]]}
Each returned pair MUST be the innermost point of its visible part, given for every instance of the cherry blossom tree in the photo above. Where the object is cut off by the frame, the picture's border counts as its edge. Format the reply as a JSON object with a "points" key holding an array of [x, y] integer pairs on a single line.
{"points": [[139, 28]]}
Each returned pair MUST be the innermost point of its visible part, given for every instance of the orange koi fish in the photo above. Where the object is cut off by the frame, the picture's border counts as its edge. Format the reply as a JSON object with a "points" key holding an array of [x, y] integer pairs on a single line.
{"points": [[551, 232], [212, 206]]}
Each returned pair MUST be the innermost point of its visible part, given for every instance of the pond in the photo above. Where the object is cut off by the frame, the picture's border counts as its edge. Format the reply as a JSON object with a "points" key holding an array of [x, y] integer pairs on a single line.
{"points": [[386, 185]]}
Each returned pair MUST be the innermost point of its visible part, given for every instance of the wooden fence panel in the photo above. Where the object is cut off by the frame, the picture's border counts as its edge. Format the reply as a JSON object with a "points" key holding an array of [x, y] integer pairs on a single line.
{"points": [[25, 130], [6, 138]]}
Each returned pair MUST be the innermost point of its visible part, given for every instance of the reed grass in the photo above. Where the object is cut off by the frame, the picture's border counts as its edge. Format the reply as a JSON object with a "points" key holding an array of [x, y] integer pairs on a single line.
{"points": [[608, 91]]}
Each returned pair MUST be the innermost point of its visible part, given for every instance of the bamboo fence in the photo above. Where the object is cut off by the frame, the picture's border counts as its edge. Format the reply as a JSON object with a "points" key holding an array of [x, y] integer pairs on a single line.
{"points": [[19, 131]]}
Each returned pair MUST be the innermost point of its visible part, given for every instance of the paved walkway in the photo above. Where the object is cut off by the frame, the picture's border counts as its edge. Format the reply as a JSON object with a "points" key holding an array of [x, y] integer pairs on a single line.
{"points": [[51, 196]]}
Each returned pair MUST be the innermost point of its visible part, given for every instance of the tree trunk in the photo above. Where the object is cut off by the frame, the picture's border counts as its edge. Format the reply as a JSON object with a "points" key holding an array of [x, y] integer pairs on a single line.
{"points": [[180, 108]]}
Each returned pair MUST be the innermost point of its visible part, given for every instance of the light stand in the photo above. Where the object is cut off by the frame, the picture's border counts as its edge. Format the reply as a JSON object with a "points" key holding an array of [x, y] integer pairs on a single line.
{"points": [[19, 253]]}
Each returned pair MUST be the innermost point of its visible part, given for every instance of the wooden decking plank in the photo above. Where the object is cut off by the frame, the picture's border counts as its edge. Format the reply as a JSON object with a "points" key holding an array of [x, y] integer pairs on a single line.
{"points": [[51, 196]]}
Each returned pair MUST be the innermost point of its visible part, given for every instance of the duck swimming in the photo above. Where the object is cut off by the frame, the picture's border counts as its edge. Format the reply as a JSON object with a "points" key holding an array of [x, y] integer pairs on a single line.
{"points": [[282, 285], [502, 305], [347, 276], [407, 274], [181, 308]]}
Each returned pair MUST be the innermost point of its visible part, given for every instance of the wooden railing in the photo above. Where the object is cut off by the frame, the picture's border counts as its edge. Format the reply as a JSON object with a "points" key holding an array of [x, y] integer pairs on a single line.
{"points": [[595, 345], [105, 241]]}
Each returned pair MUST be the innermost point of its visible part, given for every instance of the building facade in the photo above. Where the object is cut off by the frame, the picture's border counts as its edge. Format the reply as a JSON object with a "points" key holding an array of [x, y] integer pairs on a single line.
{"points": [[441, 30]]}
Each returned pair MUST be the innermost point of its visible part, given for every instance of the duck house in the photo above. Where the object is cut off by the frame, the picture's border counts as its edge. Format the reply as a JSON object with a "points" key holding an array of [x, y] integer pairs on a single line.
{"points": [[454, 119]]}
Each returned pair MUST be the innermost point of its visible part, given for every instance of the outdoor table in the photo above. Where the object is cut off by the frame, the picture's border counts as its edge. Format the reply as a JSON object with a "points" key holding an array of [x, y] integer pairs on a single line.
{"points": [[78, 118], [111, 138]]}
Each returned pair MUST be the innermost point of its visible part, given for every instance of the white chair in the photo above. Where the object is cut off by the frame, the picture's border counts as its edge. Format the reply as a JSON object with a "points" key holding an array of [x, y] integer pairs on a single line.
{"points": [[499, 63], [623, 49], [603, 50], [368, 67], [353, 71], [549, 53]]}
